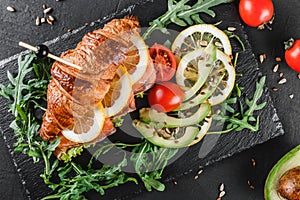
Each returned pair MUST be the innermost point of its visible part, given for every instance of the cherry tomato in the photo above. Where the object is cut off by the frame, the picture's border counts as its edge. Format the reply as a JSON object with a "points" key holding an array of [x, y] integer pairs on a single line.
{"points": [[292, 54], [256, 13], [165, 96], [164, 62]]}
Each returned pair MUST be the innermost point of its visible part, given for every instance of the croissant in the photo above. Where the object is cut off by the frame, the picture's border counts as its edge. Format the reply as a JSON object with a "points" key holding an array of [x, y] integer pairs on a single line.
{"points": [[72, 94]]}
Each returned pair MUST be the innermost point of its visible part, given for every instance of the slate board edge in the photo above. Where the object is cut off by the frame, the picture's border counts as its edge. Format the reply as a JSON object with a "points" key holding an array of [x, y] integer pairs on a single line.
{"points": [[105, 19]]}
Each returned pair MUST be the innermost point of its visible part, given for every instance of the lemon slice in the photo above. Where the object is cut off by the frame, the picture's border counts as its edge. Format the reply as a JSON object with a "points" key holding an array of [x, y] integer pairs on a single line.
{"points": [[201, 35], [93, 131], [225, 87], [137, 58], [194, 68], [203, 129], [119, 93]]}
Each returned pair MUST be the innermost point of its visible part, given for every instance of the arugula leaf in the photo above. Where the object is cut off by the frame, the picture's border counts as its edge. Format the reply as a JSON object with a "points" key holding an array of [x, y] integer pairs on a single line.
{"points": [[182, 14], [242, 120]]}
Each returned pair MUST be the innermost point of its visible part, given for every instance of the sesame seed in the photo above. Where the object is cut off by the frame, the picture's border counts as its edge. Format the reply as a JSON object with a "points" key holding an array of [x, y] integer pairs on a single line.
{"points": [[47, 10], [291, 96], [51, 18], [282, 81], [276, 67], [200, 171], [222, 187], [253, 162], [222, 194], [278, 59], [49, 21], [196, 177], [175, 182], [275, 89], [281, 74], [231, 28], [43, 20], [37, 21], [261, 58], [10, 9]]}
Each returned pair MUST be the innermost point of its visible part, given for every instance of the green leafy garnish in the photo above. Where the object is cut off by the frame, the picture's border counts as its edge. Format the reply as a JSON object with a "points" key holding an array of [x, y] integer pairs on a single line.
{"points": [[244, 118], [182, 14]]}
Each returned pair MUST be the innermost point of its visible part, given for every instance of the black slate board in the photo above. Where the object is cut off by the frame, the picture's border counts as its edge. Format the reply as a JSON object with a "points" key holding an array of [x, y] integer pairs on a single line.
{"points": [[222, 146]]}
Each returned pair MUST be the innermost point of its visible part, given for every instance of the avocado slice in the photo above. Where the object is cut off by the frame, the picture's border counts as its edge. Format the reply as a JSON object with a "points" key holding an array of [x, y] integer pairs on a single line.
{"points": [[159, 119], [286, 163], [160, 137]]}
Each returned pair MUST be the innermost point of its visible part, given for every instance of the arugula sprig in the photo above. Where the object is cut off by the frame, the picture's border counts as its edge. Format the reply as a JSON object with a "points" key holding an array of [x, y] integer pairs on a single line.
{"points": [[243, 119], [182, 14]]}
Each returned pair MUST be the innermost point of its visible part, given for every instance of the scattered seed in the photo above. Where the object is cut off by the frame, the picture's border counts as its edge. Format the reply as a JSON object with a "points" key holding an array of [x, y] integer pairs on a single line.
{"points": [[69, 30], [218, 44], [47, 10], [253, 162], [49, 21], [298, 76], [43, 20], [200, 171], [222, 194], [203, 43], [10, 9], [275, 89], [51, 18], [261, 58], [44, 6], [265, 56], [291, 96], [281, 74], [276, 67], [37, 21], [175, 182], [278, 59], [222, 187], [196, 177], [231, 28], [250, 185], [282, 81], [219, 198]]}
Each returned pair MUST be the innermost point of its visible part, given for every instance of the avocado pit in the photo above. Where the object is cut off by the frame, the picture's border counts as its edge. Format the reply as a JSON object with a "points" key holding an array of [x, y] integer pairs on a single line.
{"points": [[289, 184]]}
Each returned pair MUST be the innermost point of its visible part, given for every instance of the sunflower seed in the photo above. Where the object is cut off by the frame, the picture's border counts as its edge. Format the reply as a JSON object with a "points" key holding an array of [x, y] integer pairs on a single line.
{"points": [[291, 96], [282, 81], [222, 194], [231, 28], [281, 74], [43, 20], [47, 10], [10, 9], [278, 59], [276, 67], [37, 21], [222, 187]]}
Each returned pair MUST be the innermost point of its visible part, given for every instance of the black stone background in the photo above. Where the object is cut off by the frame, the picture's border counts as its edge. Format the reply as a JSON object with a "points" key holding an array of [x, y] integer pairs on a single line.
{"points": [[233, 172]]}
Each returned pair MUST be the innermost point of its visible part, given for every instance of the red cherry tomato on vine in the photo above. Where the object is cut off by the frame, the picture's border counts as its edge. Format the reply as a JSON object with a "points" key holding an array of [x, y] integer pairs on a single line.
{"points": [[165, 96], [164, 62], [256, 13], [292, 54]]}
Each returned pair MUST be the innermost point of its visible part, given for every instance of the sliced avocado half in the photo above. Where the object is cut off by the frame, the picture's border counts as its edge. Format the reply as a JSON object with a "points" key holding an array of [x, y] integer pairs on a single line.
{"points": [[286, 163], [160, 137]]}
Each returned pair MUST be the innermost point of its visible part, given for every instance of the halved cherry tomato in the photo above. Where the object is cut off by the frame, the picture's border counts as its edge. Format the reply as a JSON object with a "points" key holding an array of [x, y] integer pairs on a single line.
{"points": [[292, 54], [256, 13], [164, 62], [165, 96]]}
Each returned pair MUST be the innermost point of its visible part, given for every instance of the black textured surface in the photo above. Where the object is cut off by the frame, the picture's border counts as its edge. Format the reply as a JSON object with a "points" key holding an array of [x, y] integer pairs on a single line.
{"points": [[235, 171]]}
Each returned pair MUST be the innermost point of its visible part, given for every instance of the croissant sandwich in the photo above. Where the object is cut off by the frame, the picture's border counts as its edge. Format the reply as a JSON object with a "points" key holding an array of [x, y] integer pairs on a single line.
{"points": [[81, 103]]}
